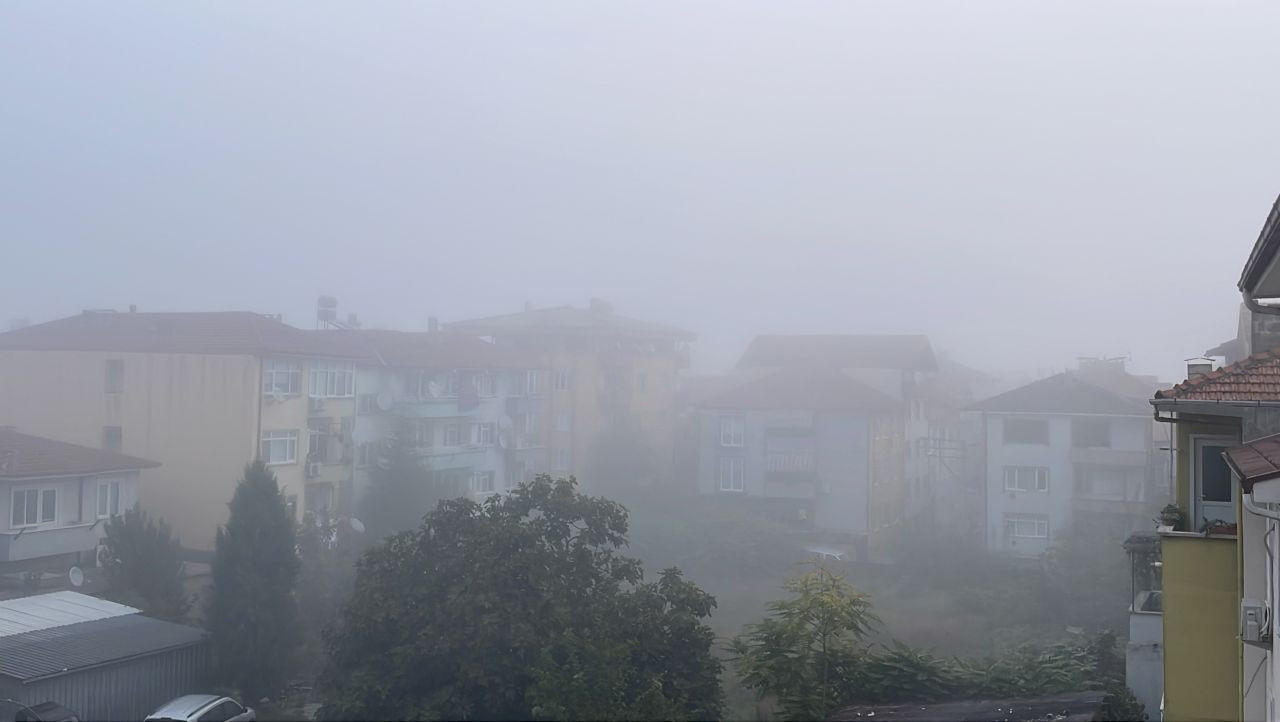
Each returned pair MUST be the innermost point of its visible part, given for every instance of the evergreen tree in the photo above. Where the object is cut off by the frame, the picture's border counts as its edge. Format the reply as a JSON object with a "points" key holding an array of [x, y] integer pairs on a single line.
{"points": [[143, 565], [253, 614], [401, 488]]}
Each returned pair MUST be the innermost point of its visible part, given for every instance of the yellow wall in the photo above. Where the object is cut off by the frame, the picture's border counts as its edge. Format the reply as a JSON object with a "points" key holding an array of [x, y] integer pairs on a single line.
{"points": [[196, 414], [1202, 653]]}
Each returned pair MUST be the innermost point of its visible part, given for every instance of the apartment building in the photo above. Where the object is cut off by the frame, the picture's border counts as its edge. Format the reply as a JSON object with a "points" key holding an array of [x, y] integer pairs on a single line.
{"points": [[475, 412], [200, 393], [1064, 451], [55, 498], [606, 374]]}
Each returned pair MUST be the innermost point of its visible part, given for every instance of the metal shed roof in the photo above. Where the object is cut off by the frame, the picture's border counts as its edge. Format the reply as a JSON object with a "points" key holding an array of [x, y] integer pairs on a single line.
{"points": [[46, 611], [61, 650]]}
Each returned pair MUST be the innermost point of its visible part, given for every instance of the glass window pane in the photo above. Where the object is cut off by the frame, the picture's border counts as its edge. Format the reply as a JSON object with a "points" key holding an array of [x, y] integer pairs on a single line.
{"points": [[1215, 475], [49, 505]]}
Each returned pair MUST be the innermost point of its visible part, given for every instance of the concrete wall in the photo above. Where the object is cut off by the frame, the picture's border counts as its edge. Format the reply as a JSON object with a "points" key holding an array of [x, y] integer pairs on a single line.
{"points": [[1128, 434], [1202, 653], [1144, 660], [77, 512], [195, 414]]}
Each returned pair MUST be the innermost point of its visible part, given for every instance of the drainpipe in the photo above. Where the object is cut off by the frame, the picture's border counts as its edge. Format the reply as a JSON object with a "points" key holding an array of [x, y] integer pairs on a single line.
{"points": [[1252, 304]]}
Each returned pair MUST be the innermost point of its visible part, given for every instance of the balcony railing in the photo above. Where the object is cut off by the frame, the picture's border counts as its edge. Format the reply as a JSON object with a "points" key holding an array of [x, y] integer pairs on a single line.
{"points": [[799, 461]]}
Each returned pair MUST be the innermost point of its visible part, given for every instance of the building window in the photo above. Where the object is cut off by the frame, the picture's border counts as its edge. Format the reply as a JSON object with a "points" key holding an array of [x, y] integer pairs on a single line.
{"points": [[564, 380], [731, 431], [482, 481], [562, 459], [518, 472], [731, 473], [453, 384], [113, 438], [530, 424], [333, 379], [424, 433], [1100, 481], [1026, 478], [1026, 526], [485, 434], [281, 377], [33, 507], [530, 382], [1091, 433], [1026, 431], [642, 382], [115, 376], [280, 447], [364, 455], [484, 384], [564, 422], [108, 499], [453, 435], [1214, 493]]}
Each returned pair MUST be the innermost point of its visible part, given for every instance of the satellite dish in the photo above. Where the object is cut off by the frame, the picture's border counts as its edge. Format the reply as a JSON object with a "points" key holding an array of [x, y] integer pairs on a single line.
{"points": [[433, 389], [385, 402], [76, 576], [357, 526]]}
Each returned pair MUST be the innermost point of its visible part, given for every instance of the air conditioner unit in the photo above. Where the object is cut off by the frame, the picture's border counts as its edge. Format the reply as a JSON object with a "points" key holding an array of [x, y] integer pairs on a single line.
{"points": [[313, 469], [1255, 623], [315, 404]]}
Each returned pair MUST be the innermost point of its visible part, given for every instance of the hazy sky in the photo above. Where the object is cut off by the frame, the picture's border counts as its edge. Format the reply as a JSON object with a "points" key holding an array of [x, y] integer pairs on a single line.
{"points": [[1024, 182]]}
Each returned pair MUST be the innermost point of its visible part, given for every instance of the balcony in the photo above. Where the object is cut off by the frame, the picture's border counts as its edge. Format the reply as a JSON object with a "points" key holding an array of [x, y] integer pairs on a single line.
{"points": [[791, 465], [37, 543]]}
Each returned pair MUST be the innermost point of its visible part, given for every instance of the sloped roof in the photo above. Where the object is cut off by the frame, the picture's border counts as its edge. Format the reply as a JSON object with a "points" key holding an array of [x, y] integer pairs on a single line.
{"points": [[424, 349], [841, 351], [1263, 252], [25, 456], [1258, 460], [213, 332], [801, 390], [61, 650], [567, 319], [56, 609], [1064, 393], [1256, 378]]}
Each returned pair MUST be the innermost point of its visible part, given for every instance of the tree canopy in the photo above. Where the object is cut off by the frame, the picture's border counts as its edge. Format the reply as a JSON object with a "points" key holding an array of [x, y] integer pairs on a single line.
{"points": [[252, 613], [521, 607], [143, 564], [401, 486]]}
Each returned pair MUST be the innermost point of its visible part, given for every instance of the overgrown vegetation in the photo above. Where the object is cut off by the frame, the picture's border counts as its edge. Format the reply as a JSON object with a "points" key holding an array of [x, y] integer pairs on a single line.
{"points": [[143, 565], [812, 655], [520, 608], [401, 486]]}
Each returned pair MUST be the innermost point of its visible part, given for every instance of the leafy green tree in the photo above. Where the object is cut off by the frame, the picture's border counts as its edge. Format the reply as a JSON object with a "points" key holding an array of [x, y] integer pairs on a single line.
{"points": [[521, 607], [809, 646], [252, 613], [401, 486], [143, 565], [328, 551]]}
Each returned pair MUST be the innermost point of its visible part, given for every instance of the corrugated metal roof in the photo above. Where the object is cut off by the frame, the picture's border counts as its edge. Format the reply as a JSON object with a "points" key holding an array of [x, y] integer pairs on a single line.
{"points": [[50, 652], [46, 611]]}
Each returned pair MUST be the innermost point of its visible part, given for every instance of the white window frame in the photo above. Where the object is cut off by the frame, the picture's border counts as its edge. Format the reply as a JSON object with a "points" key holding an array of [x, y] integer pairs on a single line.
{"points": [[1014, 481], [735, 479], [530, 382], [486, 433], [1223, 510], [273, 369], [40, 492], [290, 439], [482, 479], [732, 431], [563, 380], [453, 434], [483, 381], [106, 488], [333, 380], [530, 424], [1018, 523]]}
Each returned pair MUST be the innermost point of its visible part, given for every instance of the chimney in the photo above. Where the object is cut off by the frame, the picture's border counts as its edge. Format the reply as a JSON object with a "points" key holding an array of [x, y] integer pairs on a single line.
{"points": [[433, 324], [133, 308], [1197, 367]]}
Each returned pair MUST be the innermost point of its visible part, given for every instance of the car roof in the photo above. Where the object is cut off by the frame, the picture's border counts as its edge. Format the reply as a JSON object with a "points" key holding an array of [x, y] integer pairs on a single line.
{"points": [[186, 705]]}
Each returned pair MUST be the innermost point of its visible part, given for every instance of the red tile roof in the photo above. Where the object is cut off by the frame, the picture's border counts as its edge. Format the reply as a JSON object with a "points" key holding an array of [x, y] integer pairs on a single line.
{"points": [[24, 456], [423, 349], [802, 390], [1258, 460], [1256, 378], [234, 332], [599, 319]]}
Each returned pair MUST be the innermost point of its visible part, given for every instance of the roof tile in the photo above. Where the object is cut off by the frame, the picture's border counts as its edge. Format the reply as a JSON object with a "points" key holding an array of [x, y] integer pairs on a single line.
{"points": [[1256, 378], [24, 456]]}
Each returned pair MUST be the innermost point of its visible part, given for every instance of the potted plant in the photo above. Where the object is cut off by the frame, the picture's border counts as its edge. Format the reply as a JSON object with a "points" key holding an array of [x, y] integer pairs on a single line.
{"points": [[1173, 516]]}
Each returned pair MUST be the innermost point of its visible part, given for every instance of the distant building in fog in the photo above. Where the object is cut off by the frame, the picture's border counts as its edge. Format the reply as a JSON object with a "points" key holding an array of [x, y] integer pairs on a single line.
{"points": [[1076, 449], [818, 431], [55, 498], [608, 374]]}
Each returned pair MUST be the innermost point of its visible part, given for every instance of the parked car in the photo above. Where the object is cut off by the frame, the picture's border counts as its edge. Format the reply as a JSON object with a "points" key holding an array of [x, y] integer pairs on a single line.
{"points": [[828, 554], [202, 708], [45, 712]]}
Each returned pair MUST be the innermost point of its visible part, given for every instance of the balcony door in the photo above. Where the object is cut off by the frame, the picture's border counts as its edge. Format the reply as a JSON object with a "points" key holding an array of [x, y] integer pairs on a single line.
{"points": [[1213, 490]]}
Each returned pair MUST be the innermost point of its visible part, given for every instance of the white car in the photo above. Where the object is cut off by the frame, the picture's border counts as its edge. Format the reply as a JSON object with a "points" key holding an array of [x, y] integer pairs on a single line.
{"points": [[202, 708]]}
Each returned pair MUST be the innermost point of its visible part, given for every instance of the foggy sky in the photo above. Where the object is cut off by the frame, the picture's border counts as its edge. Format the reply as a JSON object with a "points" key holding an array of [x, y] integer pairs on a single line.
{"points": [[1024, 182]]}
